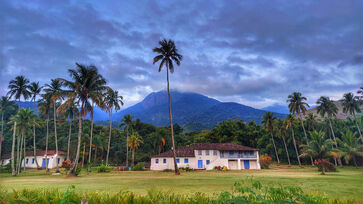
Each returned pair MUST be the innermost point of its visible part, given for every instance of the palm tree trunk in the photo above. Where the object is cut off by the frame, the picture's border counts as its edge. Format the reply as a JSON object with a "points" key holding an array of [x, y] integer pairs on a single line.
{"points": [[55, 136], [294, 141], [127, 146], [69, 138], [287, 152], [13, 152], [273, 142], [2, 131], [335, 141], [109, 139], [46, 145], [133, 156], [307, 140], [323, 167], [355, 162], [73, 171], [24, 151], [20, 152], [90, 143], [356, 123], [35, 148], [171, 124], [84, 150], [95, 156]]}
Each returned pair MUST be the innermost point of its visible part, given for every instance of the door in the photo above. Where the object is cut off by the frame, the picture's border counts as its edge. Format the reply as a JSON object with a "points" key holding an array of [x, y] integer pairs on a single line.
{"points": [[246, 164], [43, 163], [200, 164]]}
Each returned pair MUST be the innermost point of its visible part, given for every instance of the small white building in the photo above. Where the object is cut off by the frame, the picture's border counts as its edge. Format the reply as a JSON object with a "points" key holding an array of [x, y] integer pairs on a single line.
{"points": [[208, 156], [40, 157]]}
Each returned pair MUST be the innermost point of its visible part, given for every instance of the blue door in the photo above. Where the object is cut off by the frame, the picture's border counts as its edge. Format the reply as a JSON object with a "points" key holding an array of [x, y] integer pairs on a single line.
{"points": [[246, 164], [200, 164], [43, 164]]}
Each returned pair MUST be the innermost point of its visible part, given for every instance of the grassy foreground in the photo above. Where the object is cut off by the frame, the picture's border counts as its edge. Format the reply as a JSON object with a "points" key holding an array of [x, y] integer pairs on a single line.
{"points": [[345, 184]]}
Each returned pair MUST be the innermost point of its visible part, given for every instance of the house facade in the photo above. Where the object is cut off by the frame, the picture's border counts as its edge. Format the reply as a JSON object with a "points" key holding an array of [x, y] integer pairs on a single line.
{"points": [[208, 156], [29, 160]]}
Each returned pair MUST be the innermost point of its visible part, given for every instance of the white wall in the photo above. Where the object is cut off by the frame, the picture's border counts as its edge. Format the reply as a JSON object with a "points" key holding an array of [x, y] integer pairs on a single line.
{"points": [[52, 161]]}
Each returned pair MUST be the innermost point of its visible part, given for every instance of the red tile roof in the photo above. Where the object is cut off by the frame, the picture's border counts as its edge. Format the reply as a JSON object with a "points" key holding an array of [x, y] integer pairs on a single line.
{"points": [[39, 153], [188, 151]]}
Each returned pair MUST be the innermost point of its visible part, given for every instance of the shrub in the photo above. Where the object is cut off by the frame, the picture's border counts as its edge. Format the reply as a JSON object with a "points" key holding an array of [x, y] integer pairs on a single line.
{"points": [[329, 167], [67, 165], [221, 168], [103, 168], [167, 170], [79, 169], [140, 166], [186, 169], [265, 161]]}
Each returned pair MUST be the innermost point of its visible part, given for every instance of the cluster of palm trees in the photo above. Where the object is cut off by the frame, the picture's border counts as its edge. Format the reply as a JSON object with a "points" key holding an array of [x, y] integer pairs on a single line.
{"points": [[72, 100], [348, 147]]}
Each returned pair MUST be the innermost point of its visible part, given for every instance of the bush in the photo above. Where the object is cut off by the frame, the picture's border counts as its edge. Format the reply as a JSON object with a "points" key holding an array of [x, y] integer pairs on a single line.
{"points": [[79, 169], [67, 165], [139, 167], [167, 170], [186, 169], [221, 168], [265, 161], [329, 167], [103, 168]]}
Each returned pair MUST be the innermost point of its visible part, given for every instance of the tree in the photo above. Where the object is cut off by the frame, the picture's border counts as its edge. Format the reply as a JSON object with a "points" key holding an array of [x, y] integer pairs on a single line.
{"points": [[282, 134], [70, 113], [311, 121], [349, 146], [112, 101], [127, 122], [328, 107], [351, 106], [44, 109], [35, 90], [268, 120], [5, 105], [18, 88], [54, 90], [83, 80], [297, 105], [290, 121], [168, 54], [319, 147], [134, 142]]}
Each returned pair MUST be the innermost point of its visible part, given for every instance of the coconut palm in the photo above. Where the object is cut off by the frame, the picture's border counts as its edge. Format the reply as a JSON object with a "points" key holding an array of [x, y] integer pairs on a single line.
{"points": [[134, 142], [84, 78], [18, 88], [289, 124], [327, 107], [168, 54], [282, 134], [311, 121], [35, 90], [5, 105], [44, 106], [351, 106], [349, 147], [268, 120], [127, 122], [112, 101], [54, 90], [319, 147], [297, 105], [70, 113]]}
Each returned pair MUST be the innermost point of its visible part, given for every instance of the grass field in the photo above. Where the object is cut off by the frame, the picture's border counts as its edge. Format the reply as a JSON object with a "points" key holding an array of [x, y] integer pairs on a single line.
{"points": [[345, 184]]}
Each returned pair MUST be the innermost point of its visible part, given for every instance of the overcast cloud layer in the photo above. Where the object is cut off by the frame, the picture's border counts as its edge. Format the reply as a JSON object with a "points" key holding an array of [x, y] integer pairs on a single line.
{"points": [[251, 52]]}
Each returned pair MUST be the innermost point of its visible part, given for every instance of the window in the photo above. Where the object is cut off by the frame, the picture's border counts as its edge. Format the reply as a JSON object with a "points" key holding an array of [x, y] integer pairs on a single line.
{"points": [[199, 152], [178, 160], [246, 153], [164, 161], [186, 160], [156, 161], [208, 162], [33, 161], [58, 160], [215, 152], [231, 152], [206, 152]]}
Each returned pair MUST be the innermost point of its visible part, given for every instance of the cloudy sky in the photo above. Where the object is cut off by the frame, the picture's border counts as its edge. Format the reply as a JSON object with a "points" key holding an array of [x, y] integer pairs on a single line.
{"points": [[251, 52]]}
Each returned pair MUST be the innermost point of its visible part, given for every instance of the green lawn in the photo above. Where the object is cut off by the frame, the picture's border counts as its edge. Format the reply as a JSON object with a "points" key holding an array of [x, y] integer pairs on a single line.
{"points": [[345, 184]]}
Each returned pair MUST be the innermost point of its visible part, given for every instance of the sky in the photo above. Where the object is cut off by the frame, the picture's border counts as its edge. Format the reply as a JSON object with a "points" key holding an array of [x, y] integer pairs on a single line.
{"points": [[251, 52]]}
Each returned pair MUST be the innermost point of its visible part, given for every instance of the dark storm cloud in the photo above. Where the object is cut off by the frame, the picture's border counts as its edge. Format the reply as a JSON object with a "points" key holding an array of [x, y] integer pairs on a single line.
{"points": [[255, 52]]}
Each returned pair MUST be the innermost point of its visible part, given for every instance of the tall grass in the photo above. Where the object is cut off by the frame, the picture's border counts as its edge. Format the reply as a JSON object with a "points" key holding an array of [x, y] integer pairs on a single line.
{"points": [[246, 191]]}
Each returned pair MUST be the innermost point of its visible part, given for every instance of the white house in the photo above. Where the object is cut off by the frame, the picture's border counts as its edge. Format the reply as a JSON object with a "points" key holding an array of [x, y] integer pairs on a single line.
{"points": [[208, 156], [40, 157]]}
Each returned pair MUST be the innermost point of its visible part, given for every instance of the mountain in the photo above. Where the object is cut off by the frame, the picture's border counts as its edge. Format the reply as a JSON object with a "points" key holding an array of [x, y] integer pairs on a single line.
{"points": [[277, 109], [191, 110]]}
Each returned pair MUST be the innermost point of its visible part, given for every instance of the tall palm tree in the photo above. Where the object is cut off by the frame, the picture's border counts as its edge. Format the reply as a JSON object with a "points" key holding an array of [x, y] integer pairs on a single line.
{"points": [[319, 147], [297, 105], [35, 90], [134, 142], [112, 101], [44, 109], [168, 54], [84, 78], [18, 88], [13, 170], [268, 120], [311, 121], [282, 134], [5, 105], [54, 90], [290, 121], [70, 114], [351, 105], [349, 146], [127, 121]]}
